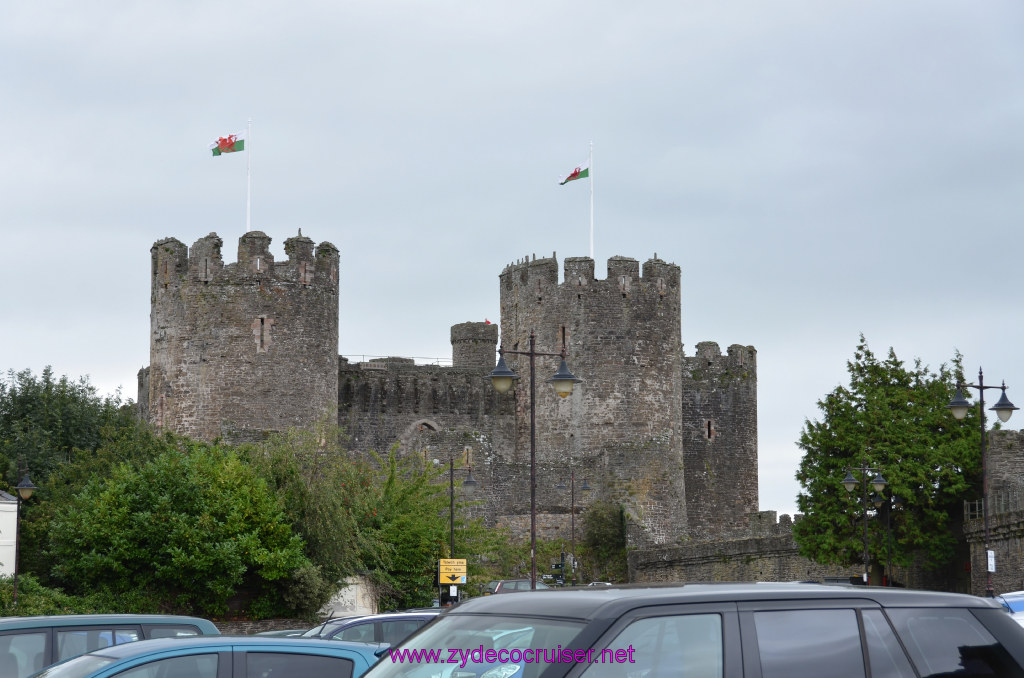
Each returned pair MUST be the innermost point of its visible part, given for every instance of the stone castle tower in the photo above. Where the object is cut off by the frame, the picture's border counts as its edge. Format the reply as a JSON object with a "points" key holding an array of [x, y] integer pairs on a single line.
{"points": [[622, 426], [246, 349], [242, 348]]}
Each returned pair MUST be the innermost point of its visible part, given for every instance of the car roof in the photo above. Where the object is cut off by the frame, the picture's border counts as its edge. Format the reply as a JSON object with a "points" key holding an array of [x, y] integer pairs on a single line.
{"points": [[590, 602], [273, 643], [10, 623], [383, 616]]}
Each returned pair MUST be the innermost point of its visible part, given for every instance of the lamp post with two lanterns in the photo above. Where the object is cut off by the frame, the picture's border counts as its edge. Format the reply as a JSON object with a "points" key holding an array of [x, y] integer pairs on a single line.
{"points": [[1003, 408], [879, 483], [563, 382]]}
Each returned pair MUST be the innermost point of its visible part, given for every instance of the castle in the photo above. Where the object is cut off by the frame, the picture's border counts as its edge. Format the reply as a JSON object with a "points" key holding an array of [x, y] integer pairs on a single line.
{"points": [[241, 350]]}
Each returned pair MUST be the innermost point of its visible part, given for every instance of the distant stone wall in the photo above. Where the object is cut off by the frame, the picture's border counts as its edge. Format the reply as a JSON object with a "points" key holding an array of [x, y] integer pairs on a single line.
{"points": [[768, 554]]}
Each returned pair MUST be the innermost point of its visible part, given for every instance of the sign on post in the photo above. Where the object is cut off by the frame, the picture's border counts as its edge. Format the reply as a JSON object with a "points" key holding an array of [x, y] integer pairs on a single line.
{"points": [[451, 571]]}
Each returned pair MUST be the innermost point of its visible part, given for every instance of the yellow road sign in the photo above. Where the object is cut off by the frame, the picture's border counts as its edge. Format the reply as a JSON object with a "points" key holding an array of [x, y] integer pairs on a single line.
{"points": [[451, 570]]}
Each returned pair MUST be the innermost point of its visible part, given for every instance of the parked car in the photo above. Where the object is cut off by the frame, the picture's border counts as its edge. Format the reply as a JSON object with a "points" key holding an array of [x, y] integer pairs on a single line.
{"points": [[28, 644], [221, 657], [511, 586], [391, 628], [1014, 604], [773, 630]]}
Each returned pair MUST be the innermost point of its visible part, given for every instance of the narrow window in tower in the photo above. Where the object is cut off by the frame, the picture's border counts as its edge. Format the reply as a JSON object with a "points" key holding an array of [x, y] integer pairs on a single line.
{"points": [[709, 429], [262, 333]]}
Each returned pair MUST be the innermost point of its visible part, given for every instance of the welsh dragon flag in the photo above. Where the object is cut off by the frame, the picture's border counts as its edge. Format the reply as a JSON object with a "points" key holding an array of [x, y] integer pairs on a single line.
{"points": [[581, 172], [228, 144]]}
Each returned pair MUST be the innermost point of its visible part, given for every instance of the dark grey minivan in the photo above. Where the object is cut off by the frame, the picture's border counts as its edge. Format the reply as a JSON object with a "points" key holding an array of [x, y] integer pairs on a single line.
{"points": [[752, 630], [30, 644]]}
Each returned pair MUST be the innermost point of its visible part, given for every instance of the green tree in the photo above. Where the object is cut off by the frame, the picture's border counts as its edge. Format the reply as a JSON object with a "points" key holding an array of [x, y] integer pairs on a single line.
{"points": [[193, 528], [383, 516], [42, 419], [132, 443], [895, 419]]}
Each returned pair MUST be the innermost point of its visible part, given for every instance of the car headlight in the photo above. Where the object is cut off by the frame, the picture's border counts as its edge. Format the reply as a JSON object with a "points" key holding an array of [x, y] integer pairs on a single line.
{"points": [[503, 671]]}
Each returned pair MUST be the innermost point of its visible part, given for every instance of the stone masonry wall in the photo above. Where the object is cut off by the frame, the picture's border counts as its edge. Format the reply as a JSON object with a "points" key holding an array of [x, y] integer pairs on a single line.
{"points": [[243, 349]]}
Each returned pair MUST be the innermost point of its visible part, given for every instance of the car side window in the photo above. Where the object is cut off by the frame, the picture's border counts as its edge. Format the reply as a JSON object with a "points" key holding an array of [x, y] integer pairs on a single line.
{"points": [[282, 665], [885, 656], [394, 632], [809, 643], [951, 641], [21, 654], [362, 633], [73, 642], [680, 645], [188, 666]]}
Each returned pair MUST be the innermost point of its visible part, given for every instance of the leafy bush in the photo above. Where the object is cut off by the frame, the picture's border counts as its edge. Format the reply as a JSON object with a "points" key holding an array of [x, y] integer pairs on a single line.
{"points": [[190, 527]]}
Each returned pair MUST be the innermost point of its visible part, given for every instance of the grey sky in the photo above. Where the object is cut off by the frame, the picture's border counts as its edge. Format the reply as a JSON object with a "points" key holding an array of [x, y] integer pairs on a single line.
{"points": [[817, 169]]}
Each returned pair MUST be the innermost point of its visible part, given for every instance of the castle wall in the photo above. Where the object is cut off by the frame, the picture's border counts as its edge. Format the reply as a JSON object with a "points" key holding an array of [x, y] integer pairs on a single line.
{"points": [[436, 413], [621, 427], [242, 349], [1005, 467], [720, 443]]}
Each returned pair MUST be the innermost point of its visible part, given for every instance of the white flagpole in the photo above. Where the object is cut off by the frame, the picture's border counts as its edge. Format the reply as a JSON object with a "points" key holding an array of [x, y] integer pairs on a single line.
{"points": [[591, 165], [248, 177]]}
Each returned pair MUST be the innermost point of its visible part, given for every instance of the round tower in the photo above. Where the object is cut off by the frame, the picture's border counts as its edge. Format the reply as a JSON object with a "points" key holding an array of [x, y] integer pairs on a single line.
{"points": [[244, 349], [621, 426], [474, 345]]}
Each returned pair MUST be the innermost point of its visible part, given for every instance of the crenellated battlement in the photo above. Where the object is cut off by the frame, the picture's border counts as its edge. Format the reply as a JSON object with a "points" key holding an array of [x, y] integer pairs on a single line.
{"points": [[578, 272], [708, 362], [306, 264]]}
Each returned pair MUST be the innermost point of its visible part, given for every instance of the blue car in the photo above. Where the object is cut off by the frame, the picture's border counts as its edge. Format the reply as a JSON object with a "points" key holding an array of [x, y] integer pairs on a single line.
{"points": [[222, 657]]}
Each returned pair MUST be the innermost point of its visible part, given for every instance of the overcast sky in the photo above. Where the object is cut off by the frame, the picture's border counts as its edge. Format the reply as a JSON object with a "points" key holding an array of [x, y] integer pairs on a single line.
{"points": [[818, 169]]}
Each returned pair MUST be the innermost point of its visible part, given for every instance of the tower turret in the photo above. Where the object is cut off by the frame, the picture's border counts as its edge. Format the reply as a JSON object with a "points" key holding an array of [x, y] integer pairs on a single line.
{"points": [[243, 349]]}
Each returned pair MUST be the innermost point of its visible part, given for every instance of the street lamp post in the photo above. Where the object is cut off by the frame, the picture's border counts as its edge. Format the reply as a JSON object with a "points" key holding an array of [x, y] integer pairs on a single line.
{"points": [[887, 504], [563, 382], [469, 485], [1003, 408], [25, 489], [850, 483], [572, 513]]}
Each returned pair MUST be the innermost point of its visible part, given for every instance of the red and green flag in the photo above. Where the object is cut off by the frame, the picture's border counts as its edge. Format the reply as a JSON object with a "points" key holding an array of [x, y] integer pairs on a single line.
{"points": [[581, 172], [230, 143]]}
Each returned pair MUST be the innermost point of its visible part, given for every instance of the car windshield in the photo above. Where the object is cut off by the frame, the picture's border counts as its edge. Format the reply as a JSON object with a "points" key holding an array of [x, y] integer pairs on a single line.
{"points": [[467, 644], [78, 667], [1015, 604]]}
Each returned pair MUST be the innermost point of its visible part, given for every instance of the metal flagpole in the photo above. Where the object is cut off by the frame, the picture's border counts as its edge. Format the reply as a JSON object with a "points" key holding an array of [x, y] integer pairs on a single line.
{"points": [[591, 165], [248, 177]]}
